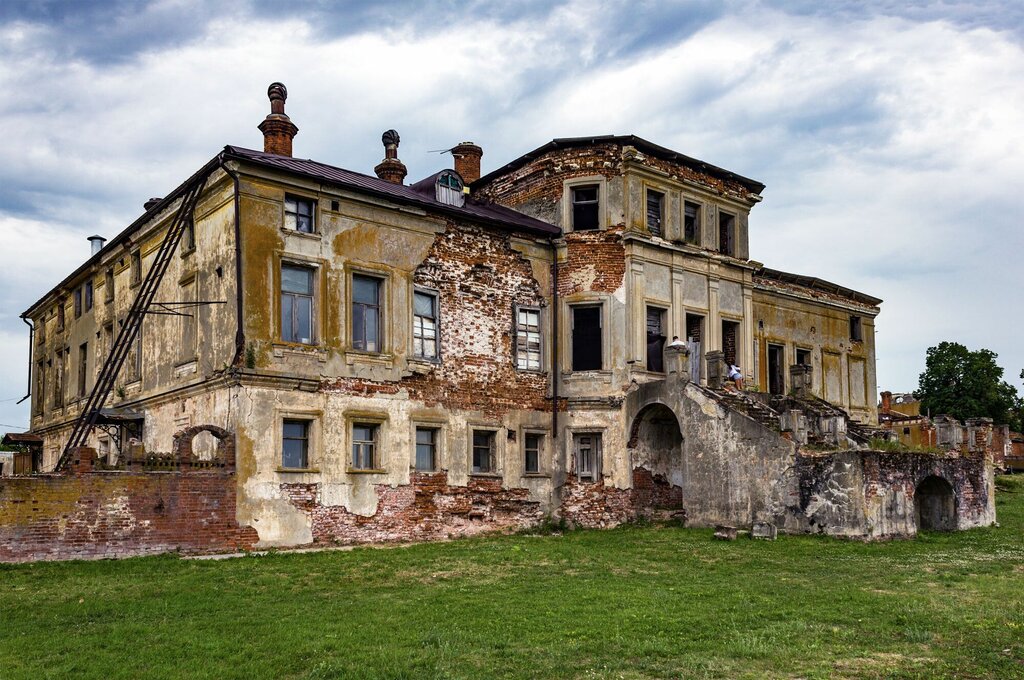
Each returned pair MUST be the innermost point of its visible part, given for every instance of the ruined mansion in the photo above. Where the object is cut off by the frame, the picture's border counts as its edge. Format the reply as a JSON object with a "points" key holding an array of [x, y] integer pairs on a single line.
{"points": [[282, 352]]}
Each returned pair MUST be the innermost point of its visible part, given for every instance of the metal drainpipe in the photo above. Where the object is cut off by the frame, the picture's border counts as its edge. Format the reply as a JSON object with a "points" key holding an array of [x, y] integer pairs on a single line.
{"points": [[31, 338], [240, 330], [555, 372]]}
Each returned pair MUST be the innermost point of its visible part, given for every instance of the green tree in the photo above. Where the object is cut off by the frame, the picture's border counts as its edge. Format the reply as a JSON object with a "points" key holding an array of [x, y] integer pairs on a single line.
{"points": [[966, 384]]}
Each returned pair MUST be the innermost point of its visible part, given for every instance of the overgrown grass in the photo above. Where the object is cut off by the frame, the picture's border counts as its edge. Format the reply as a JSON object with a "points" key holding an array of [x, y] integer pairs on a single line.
{"points": [[636, 602]]}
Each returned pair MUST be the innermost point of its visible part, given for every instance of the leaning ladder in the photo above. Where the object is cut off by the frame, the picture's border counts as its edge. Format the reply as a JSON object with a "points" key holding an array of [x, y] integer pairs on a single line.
{"points": [[133, 322]]}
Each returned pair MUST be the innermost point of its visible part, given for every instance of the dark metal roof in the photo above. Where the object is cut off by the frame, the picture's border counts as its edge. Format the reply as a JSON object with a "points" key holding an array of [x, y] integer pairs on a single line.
{"points": [[477, 211], [817, 284], [20, 439], [640, 143]]}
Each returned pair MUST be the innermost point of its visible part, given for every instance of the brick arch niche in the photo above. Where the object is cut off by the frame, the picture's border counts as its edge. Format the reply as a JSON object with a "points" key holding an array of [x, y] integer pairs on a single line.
{"points": [[225, 443]]}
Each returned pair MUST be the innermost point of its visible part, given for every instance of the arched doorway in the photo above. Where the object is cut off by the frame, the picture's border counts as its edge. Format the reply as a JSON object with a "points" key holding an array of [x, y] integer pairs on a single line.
{"points": [[935, 505], [656, 452]]}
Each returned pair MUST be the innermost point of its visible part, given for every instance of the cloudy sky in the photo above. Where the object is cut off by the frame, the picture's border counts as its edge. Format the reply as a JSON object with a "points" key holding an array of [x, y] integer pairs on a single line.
{"points": [[890, 134]]}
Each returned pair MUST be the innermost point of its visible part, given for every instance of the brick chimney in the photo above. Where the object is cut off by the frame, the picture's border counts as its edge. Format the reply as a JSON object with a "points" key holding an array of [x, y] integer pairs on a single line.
{"points": [[277, 128], [391, 169], [467, 161], [886, 402]]}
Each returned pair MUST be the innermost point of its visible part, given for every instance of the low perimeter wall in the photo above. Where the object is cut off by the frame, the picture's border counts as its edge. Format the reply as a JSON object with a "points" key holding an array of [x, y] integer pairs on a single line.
{"points": [[86, 512]]}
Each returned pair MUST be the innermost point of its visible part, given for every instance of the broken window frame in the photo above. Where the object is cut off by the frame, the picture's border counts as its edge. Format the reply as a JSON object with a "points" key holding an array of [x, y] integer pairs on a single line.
{"points": [[449, 188], [299, 214], [61, 314], [365, 448], [695, 237], [58, 378], [655, 220], [483, 458], [585, 211], [77, 297], [292, 301], [136, 267], [423, 335], [301, 436], [655, 362], [83, 370], [575, 342], [529, 343], [802, 352], [587, 456], [88, 294]]}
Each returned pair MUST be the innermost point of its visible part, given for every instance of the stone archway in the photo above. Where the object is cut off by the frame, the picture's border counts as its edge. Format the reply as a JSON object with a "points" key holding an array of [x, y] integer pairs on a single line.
{"points": [[656, 452], [935, 505], [225, 451]]}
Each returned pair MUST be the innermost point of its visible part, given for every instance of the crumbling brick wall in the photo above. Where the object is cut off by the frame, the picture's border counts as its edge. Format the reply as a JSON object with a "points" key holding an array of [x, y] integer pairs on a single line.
{"points": [[426, 508], [88, 513]]}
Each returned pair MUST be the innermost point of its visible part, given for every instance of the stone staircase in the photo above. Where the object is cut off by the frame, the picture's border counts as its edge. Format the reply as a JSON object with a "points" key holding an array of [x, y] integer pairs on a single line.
{"points": [[748, 405]]}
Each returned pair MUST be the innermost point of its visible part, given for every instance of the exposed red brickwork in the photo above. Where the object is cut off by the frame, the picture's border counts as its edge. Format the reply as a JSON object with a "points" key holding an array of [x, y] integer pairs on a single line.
{"points": [[117, 514], [594, 505], [427, 508], [480, 279], [594, 261], [655, 492]]}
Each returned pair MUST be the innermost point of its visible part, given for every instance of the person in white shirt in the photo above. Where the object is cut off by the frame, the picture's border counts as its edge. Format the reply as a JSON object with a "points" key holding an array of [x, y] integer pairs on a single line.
{"points": [[736, 376]]}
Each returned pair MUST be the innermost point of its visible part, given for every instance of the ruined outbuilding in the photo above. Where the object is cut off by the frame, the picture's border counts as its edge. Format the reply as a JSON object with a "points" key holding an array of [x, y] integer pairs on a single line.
{"points": [[466, 353]]}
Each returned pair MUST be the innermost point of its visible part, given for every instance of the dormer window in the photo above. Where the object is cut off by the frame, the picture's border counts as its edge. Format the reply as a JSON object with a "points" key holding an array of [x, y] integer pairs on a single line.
{"points": [[449, 189]]}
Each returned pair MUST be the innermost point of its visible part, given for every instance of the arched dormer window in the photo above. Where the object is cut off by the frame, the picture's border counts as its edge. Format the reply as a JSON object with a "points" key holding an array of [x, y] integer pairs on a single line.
{"points": [[448, 189]]}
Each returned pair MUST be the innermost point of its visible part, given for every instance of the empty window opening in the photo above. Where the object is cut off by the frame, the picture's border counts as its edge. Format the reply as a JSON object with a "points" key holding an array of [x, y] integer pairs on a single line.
{"points": [[691, 222], [298, 214], [83, 367], [483, 451], [585, 207], [295, 444], [776, 368], [730, 337], [188, 321], [78, 302], [58, 379], [366, 331], [296, 304], [803, 357], [586, 338], [204, 446], [856, 332], [531, 449], [726, 234], [655, 210], [88, 295], [656, 339], [136, 267], [426, 449], [424, 325], [364, 446], [588, 456], [39, 398], [60, 315], [108, 285], [528, 339]]}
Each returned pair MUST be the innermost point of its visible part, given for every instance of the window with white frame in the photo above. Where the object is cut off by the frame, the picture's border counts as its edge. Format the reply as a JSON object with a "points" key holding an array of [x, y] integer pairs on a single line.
{"points": [[528, 339], [424, 325], [297, 307], [588, 456], [483, 451], [298, 214], [364, 446]]}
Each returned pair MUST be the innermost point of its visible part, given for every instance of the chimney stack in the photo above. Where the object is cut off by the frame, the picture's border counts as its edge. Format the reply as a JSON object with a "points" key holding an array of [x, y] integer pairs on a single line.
{"points": [[391, 169], [277, 128], [97, 244], [467, 161], [886, 402]]}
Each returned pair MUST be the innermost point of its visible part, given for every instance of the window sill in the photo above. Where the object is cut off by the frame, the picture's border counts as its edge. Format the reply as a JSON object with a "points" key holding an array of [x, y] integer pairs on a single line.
{"points": [[485, 475], [536, 475], [298, 470], [359, 471], [354, 356], [532, 371], [188, 251], [295, 232]]}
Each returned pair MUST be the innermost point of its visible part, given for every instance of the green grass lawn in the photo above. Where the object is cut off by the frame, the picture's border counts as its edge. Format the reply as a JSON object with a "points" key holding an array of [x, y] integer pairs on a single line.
{"points": [[635, 602]]}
